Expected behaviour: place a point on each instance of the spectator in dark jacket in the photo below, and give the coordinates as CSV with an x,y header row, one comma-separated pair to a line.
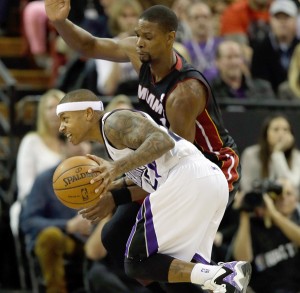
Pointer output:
x,y
234,80
271,56
51,230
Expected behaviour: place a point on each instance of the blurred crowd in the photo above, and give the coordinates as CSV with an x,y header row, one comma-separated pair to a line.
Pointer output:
x,y
259,62
247,50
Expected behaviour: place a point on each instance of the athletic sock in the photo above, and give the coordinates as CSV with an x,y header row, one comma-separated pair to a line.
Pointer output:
x,y
201,273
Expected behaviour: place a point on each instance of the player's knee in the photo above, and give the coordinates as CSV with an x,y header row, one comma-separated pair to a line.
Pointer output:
x,y
155,267
133,269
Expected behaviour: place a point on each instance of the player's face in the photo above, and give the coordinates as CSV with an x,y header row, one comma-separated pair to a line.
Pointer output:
x,y
152,42
73,126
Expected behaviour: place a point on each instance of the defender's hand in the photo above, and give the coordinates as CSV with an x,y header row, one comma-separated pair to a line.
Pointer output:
x,y
57,10
102,209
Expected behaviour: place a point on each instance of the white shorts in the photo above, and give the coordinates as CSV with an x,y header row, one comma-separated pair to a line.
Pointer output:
x,y
182,216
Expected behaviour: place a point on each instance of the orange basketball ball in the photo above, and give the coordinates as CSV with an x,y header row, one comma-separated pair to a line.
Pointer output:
x,y
71,182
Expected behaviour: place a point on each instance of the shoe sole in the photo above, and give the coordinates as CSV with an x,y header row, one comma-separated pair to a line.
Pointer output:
x,y
246,270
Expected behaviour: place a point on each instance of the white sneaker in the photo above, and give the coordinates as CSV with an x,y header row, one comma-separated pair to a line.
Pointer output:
x,y
232,277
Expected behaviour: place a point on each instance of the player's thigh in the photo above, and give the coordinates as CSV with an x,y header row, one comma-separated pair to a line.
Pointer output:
x,y
175,218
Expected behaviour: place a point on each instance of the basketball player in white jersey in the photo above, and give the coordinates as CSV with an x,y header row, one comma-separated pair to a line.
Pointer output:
x,y
185,194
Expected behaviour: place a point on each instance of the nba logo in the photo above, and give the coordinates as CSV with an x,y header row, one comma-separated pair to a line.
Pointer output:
x,y
84,194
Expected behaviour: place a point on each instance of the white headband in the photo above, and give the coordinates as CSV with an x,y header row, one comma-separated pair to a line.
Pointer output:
x,y
78,106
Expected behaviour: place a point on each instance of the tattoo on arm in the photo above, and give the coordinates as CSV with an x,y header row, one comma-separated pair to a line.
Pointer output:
x,y
126,129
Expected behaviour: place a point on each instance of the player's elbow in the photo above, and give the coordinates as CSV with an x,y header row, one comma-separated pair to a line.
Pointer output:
x,y
88,46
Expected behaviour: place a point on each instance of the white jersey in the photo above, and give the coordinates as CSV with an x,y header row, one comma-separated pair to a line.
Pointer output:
x,y
186,191
151,176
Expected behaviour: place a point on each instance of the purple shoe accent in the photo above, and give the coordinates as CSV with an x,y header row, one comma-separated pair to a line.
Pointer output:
x,y
236,276
230,278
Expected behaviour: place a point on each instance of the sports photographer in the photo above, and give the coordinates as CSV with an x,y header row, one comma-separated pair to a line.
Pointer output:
x,y
269,236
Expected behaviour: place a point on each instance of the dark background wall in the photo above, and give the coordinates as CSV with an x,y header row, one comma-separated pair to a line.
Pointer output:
x,y
245,126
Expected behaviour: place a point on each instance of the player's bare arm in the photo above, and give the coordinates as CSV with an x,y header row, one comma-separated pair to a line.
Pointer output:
x,y
85,43
183,105
127,129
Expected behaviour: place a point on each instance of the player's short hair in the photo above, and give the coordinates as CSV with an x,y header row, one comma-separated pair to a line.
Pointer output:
x,y
79,95
163,16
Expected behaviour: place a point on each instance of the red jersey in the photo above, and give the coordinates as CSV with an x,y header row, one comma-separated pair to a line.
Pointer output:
x,y
211,137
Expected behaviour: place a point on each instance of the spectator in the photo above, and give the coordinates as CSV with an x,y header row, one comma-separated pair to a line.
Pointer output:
x,y
54,232
119,102
116,78
269,236
275,156
180,8
35,30
87,14
245,20
78,72
217,7
203,44
95,16
271,56
233,81
290,89
38,151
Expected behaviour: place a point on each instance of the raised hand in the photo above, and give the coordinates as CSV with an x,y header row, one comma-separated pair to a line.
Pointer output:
x,y
57,10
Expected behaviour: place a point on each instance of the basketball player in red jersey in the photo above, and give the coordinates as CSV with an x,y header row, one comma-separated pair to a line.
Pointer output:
x,y
171,91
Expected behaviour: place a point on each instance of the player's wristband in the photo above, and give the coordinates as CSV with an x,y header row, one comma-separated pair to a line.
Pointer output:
x,y
121,196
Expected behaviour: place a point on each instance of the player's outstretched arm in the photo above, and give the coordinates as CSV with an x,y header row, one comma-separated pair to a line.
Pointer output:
x,y
81,40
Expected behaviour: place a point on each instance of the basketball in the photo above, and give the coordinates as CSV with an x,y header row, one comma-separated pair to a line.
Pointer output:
x,y
71,182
